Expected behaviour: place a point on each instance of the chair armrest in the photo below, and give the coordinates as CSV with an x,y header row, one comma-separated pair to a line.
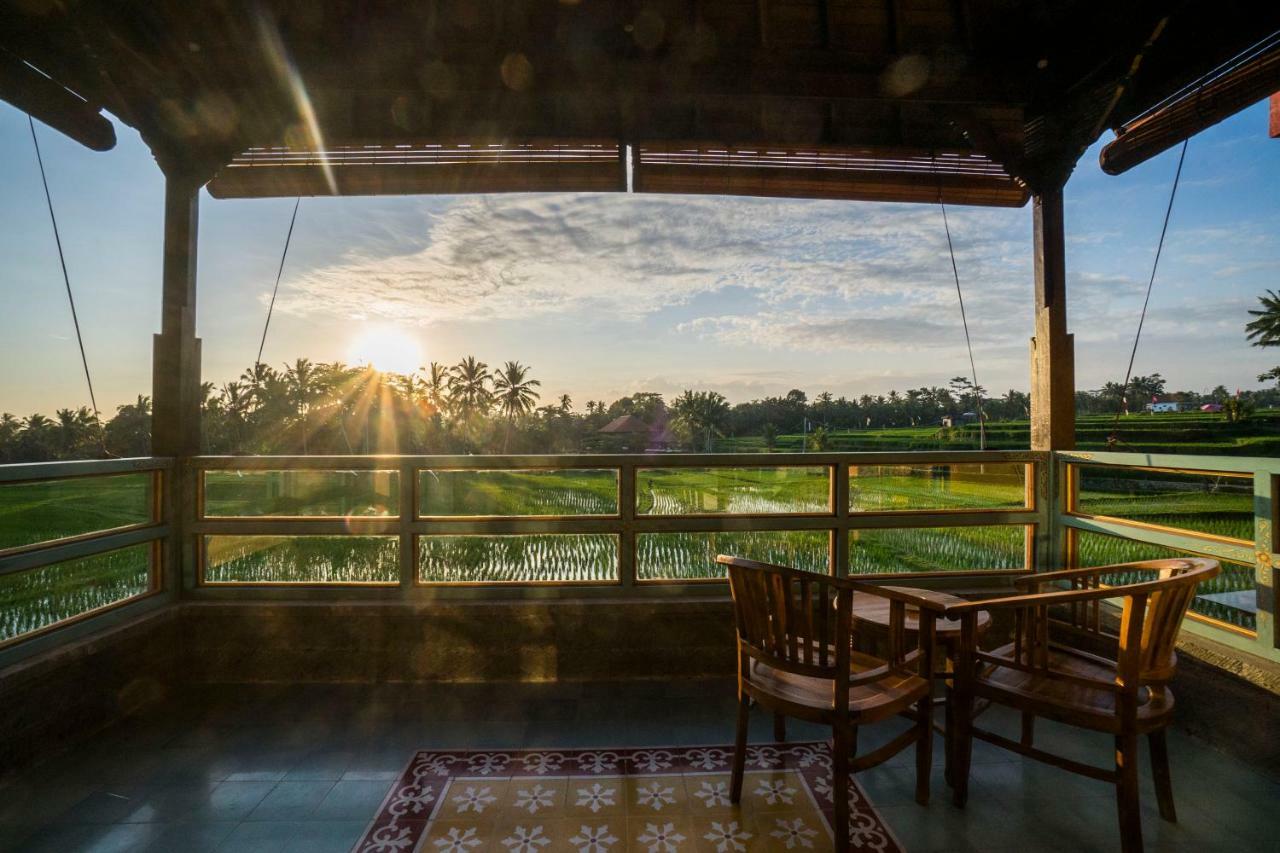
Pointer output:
x,y
923,599
1064,574
1044,599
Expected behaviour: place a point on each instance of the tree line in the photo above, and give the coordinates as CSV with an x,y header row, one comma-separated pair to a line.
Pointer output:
x,y
470,407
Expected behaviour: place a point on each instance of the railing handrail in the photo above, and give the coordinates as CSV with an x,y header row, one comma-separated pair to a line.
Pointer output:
x,y
22,471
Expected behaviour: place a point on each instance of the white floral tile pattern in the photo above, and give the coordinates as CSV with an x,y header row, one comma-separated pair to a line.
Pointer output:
x,y
654,800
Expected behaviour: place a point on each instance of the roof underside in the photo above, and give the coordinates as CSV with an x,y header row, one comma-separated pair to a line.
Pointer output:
x,y
971,101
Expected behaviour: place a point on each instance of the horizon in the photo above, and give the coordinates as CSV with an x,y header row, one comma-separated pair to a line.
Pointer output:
x,y
749,297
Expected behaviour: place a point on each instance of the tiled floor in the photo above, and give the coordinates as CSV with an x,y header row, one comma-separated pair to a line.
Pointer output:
x,y
304,768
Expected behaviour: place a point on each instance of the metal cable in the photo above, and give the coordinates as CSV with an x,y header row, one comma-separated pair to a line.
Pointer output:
x,y
66,280
280,271
977,392
1142,318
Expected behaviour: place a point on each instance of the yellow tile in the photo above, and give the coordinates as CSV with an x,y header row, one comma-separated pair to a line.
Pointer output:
x,y
724,834
459,836
662,833
594,796
473,798
709,794
536,798
791,831
773,791
656,795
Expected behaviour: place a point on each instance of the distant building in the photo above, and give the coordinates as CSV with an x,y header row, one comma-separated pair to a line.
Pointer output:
x,y
1211,407
630,434
1162,408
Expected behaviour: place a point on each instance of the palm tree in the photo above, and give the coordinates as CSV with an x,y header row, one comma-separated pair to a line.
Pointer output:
x,y
436,385
566,404
700,412
258,378
301,388
1265,331
469,392
514,392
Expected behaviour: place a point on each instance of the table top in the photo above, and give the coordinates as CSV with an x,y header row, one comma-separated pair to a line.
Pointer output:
x,y
875,611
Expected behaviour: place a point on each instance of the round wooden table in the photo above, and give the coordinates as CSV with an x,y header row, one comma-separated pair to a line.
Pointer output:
x,y
873,612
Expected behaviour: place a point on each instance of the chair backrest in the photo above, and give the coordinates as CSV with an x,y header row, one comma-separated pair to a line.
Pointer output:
x,y
1166,606
794,621
1152,612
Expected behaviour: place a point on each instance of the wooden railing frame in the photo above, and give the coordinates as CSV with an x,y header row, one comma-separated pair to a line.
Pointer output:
x,y
1050,515
627,524
1263,553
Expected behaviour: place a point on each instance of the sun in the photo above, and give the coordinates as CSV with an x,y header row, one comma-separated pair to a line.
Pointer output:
x,y
387,348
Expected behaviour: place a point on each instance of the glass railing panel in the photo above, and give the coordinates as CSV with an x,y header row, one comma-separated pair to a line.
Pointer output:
x,y
518,492
39,511
519,558
39,598
756,490
1210,503
692,556
302,559
1231,597
301,493
988,547
947,486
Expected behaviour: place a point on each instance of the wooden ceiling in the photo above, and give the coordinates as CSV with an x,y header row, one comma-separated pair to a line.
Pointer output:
x,y
976,101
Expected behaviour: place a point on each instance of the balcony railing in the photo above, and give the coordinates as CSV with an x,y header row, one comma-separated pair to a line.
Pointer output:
x,y
83,544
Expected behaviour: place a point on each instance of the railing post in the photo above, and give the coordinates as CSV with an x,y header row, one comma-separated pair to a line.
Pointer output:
x,y
840,497
175,378
1266,487
408,492
627,525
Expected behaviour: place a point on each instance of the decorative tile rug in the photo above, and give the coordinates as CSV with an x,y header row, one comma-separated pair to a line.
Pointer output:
x,y
657,800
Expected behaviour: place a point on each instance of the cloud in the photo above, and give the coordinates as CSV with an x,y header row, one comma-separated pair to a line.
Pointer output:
x,y
630,256
825,333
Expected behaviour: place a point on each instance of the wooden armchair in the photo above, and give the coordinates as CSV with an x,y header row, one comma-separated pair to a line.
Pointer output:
x,y
796,659
1065,664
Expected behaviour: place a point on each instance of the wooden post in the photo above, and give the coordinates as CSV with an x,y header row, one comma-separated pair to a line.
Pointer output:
x,y
175,371
1052,355
1275,116
1053,418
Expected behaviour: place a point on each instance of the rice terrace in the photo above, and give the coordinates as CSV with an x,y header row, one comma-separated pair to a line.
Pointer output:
x,y
31,513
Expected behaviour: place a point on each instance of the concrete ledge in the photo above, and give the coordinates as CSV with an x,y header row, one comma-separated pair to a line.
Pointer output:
x,y
464,641
59,698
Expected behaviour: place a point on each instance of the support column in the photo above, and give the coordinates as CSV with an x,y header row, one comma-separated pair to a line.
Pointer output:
x,y
175,371
1052,374
1053,418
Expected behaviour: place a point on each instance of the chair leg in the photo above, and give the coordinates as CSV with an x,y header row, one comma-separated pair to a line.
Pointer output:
x,y
948,737
779,728
961,748
740,750
1028,728
1127,794
842,749
1160,773
924,749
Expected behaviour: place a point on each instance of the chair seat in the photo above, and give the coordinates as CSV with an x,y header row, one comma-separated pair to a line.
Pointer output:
x,y
892,692
1074,703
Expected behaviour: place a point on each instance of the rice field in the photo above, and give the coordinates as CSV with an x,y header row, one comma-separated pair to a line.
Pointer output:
x,y
39,512
40,597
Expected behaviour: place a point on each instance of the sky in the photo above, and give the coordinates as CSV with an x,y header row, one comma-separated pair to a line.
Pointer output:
x,y
609,294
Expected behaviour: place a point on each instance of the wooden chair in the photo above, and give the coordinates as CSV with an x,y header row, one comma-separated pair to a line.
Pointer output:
x,y
796,659
1066,664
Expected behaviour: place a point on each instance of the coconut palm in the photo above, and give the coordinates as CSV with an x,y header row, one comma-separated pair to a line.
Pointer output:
x,y
300,386
469,387
566,404
700,413
436,385
1265,331
513,390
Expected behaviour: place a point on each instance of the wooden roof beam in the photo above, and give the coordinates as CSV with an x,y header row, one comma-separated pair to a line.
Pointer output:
x,y
1198,108
42,97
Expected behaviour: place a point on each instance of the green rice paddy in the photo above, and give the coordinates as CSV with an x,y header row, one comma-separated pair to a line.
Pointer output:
x,y
51,510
